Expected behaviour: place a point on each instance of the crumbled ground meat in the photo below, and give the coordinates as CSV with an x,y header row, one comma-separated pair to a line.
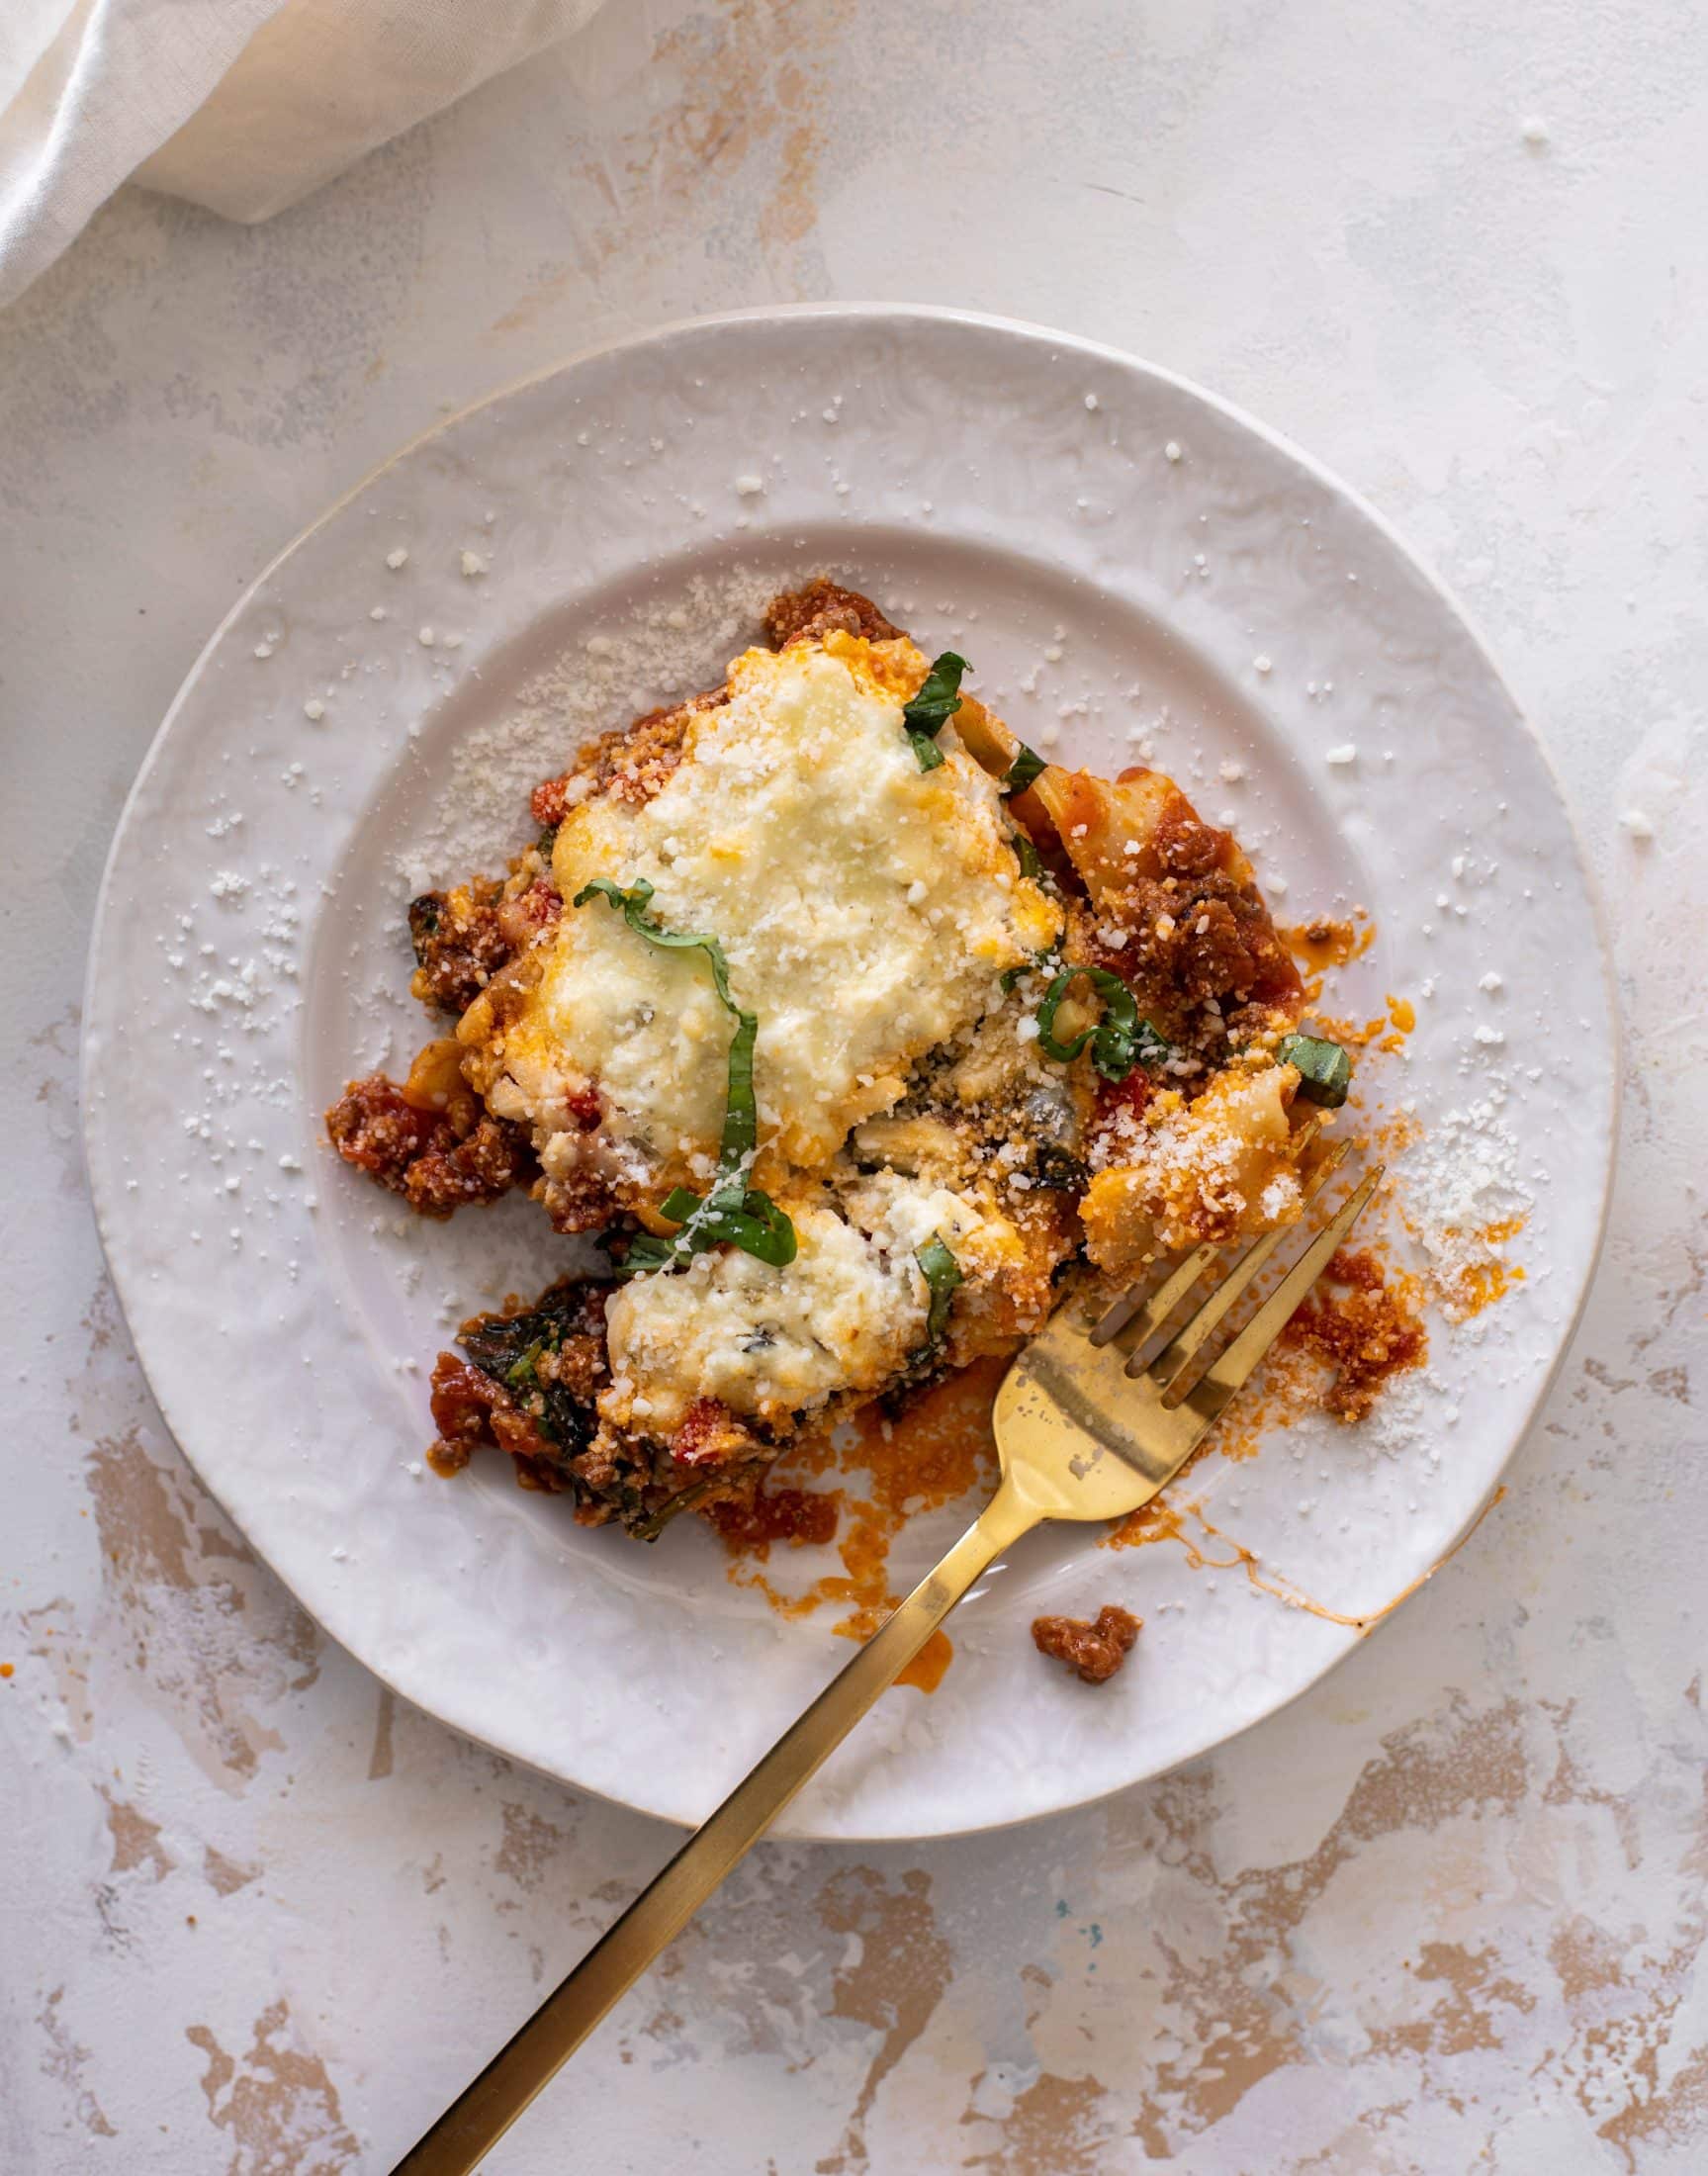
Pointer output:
x,y
460,944
427,1157
450,1174
1096,1651
579,1367
641,1486
375,1129
528,1386
1365,1331
630,764
525,918
1193,943
820,608
549,802
470,1408
577,1201
461,1402
1114,1127
1186,845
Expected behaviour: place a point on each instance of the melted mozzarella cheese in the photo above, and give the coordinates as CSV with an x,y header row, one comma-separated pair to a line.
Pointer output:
x,y
867,909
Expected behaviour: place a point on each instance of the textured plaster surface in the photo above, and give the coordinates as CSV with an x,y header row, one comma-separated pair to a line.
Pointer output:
x,y
1446,1913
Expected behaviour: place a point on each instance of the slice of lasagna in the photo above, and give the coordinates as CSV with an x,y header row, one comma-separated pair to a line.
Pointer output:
x,y
847,1025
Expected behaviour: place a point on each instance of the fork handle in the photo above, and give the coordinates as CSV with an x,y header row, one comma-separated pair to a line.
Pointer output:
x,y
480,2116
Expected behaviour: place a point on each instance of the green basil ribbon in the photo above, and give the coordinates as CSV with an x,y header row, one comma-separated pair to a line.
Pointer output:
x,y
733,1214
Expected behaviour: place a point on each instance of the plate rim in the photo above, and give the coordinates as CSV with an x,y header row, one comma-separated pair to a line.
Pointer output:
x,y
1124,360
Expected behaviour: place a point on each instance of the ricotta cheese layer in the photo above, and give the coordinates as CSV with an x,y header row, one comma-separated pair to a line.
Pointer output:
x,y
847,1316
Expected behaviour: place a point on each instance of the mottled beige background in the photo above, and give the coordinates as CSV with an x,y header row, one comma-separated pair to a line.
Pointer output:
x,y
1444,1915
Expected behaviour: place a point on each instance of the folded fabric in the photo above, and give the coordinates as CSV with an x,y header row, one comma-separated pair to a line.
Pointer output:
x,y
243,106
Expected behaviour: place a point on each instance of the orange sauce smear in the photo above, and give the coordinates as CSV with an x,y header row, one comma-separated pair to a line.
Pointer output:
x,y
1386,1031
940,1448
1167,1522
1323,943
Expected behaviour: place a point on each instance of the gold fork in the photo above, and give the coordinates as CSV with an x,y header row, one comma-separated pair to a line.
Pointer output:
x,y
1085,1430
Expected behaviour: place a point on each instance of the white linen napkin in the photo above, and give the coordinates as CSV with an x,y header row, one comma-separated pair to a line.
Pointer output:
x,y
243,106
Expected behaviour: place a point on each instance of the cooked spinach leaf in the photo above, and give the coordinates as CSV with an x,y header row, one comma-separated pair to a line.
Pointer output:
x,y
509,1348
425,914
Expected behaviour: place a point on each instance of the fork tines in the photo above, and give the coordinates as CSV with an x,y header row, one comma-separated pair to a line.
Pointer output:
x,y
1137,1317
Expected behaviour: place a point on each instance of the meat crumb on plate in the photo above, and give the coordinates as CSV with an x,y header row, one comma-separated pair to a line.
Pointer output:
x,y
1095,1651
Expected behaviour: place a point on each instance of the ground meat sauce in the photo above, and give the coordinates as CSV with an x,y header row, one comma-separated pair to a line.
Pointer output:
x,y
1095,1651
524,919
821,609
1186,931
439,1162
1119,1103
1366,1331
630,764
709,1434
778,1515
462,1401
453,1174
460,944
375,1129
1186,845
528,1385
577,1201
1192,942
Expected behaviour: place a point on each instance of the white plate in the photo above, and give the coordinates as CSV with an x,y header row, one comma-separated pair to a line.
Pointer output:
x,y
1112,549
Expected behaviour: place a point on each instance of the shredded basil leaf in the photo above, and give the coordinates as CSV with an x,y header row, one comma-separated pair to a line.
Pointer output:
x,y
633,905
943,1274
938,700
1119,1041
733,1214
1324,1068
1025,853
1024,769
